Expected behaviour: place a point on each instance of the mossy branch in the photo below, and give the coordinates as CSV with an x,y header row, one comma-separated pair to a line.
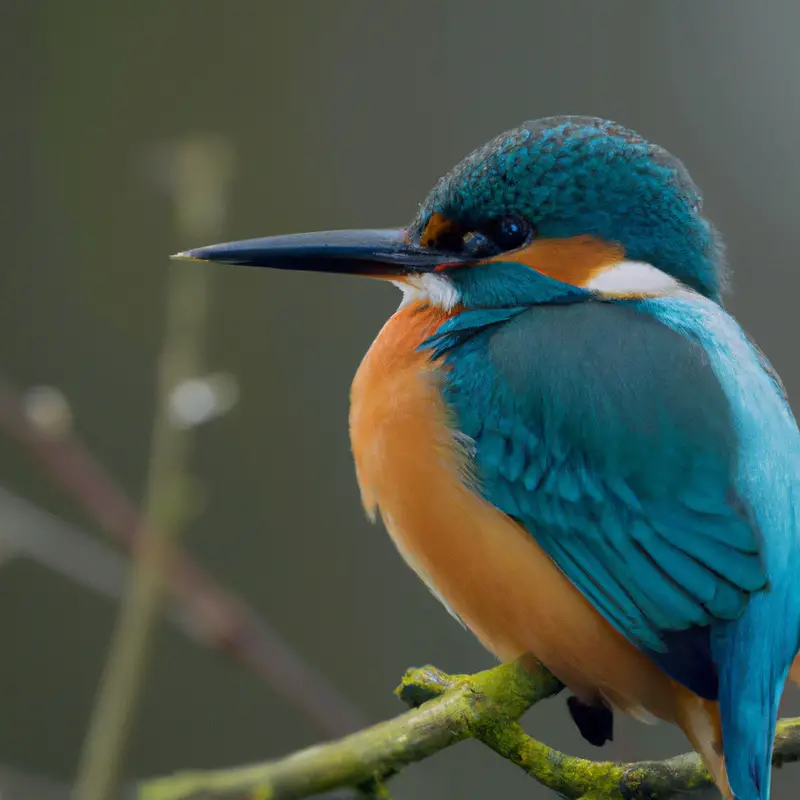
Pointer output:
x,y
449,709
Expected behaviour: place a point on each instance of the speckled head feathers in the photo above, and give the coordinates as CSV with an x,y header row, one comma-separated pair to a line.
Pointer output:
x,y
570,176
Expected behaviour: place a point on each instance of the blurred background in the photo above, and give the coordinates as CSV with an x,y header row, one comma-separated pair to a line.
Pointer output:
x,y
134,130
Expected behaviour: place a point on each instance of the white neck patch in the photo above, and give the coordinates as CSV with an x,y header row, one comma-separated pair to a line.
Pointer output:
x,y
623,279
634,279
428,288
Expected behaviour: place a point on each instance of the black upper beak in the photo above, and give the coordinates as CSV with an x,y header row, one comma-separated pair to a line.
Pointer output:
x,y
380,253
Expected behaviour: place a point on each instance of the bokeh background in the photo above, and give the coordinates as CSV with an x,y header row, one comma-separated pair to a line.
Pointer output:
x,y
332,114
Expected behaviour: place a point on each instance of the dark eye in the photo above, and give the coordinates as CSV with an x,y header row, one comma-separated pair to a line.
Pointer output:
x,y
489,239
510,233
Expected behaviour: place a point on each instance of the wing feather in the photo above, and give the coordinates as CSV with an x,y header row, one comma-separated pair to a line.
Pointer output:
x,y
608,437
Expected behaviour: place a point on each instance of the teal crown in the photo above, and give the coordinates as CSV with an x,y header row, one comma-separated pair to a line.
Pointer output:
x,y
568,176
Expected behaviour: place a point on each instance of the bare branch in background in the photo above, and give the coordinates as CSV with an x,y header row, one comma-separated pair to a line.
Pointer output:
x,y
42,418
27,531
202,167
219,619
30,532
451,709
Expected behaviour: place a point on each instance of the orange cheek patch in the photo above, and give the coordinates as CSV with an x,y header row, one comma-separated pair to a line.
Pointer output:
x,y
575,260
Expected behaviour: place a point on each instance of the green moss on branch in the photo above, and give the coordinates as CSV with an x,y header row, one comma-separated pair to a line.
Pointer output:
x,y
448,709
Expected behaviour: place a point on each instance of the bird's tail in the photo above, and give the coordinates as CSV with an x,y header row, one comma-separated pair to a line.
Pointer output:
x,y
753,657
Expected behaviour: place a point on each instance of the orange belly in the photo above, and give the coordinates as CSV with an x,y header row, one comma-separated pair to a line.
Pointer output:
x,y
488,570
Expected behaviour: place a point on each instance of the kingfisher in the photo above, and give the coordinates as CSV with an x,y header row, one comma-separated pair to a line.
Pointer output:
x,y
572,442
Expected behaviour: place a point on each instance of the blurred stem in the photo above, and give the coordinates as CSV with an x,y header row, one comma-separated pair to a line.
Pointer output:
x,y
208,614
165,508
166,504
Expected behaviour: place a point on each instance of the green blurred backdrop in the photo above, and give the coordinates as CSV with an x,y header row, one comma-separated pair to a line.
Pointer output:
x,y
340,113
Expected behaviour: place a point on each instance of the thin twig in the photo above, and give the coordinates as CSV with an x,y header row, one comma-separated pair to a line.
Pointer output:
x,y
27,531
166,509
452,708
218,618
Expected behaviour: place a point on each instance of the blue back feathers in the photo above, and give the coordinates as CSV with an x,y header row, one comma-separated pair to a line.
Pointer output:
x,y
651,455
607,435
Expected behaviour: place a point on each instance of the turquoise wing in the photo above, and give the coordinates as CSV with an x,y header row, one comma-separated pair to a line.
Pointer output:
x,y
608,437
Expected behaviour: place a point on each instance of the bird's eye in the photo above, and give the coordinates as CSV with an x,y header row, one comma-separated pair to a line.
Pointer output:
x,y
510,233
499,236
490,239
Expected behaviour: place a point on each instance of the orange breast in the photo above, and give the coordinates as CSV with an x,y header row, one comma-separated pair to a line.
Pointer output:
x,y
486,568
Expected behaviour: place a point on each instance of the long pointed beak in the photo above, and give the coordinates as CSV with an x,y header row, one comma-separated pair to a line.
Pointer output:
x,y
377,253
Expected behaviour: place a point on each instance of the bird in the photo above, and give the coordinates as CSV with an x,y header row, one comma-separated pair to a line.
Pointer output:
x,y
572,442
